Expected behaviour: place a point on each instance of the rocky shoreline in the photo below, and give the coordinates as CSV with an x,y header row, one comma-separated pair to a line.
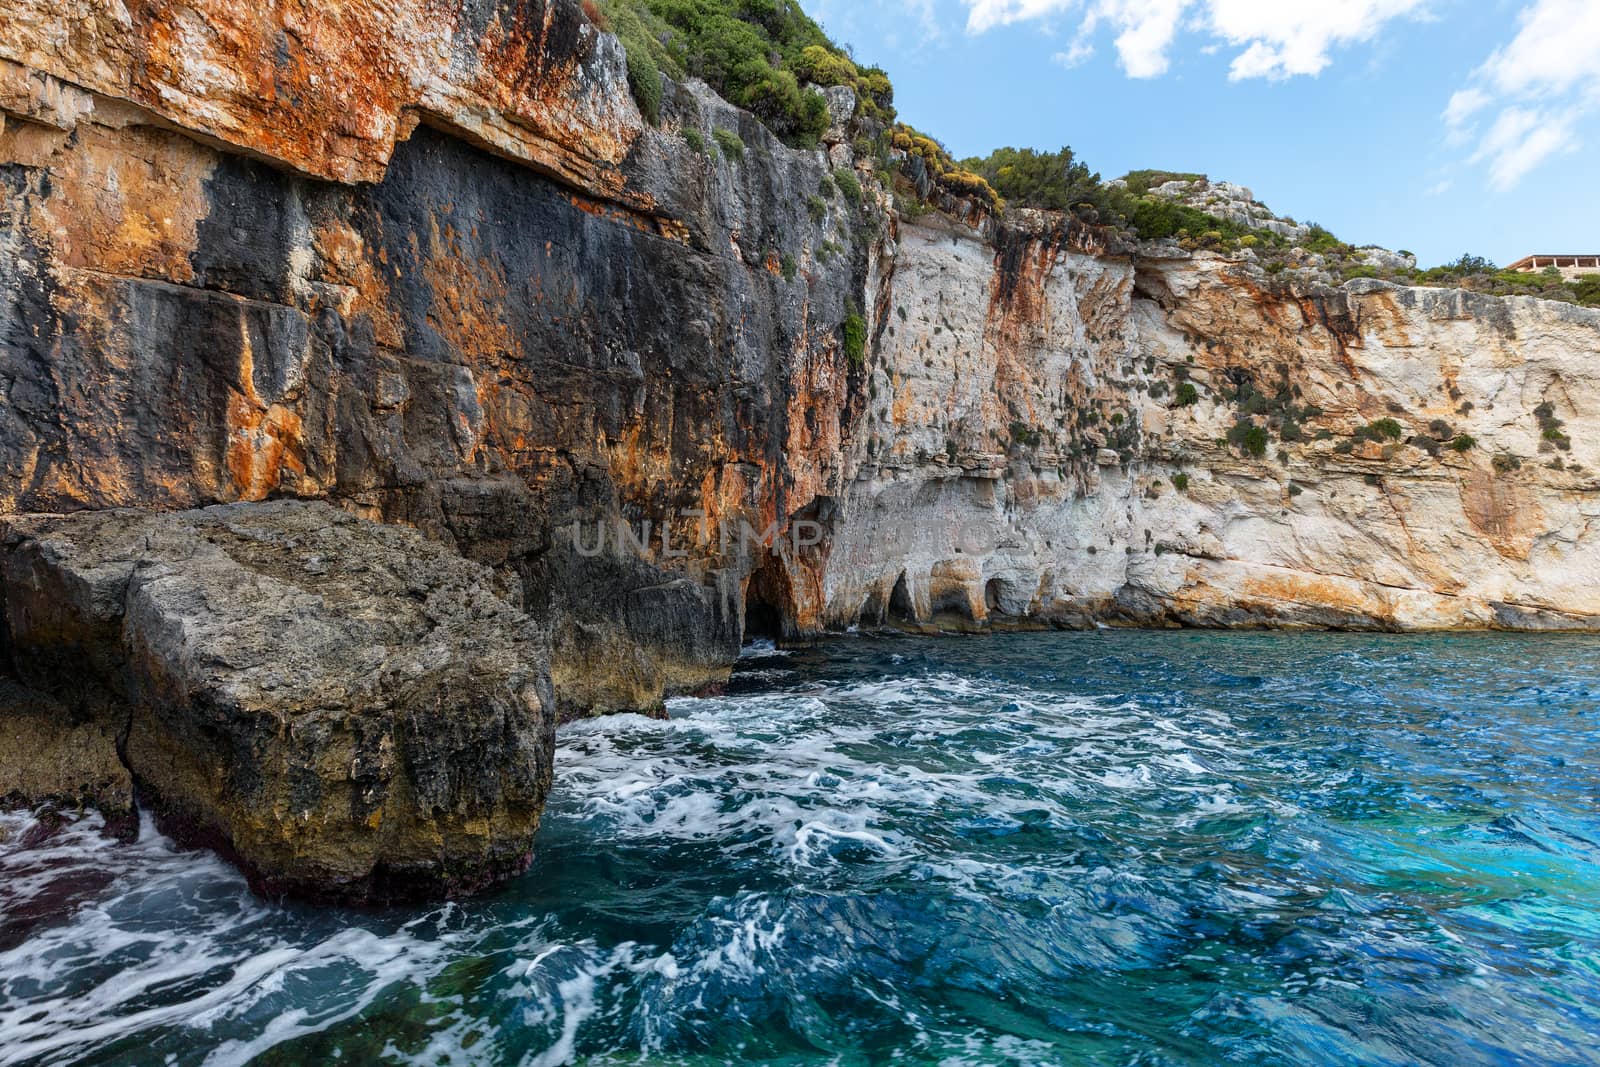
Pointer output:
x,y
348,711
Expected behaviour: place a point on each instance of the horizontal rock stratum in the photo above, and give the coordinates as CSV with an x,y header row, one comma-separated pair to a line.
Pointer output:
x,y
352,712
428,265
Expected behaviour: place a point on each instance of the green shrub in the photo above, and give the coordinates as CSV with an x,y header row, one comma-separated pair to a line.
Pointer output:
x,y
1505,463
1055,181
694,140
1464,443
1295,489
790,268
824,67
818,208
1383,429
855,339
1587,290
849,186
1180,482
755,53
644,80
1248,438
730,143
1550,426
1023,434
826,188
1186,395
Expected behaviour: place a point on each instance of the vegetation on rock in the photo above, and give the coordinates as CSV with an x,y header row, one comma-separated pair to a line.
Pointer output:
x,y
766,56
770,58
1248,438
855,339
928,165
1055,181
730,144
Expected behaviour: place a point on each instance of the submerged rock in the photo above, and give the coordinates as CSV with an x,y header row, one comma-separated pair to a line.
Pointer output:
x,y
350,711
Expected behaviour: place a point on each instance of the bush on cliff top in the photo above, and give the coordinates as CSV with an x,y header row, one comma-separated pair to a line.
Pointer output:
x,y
943,171
1141,182
1055,181
756,53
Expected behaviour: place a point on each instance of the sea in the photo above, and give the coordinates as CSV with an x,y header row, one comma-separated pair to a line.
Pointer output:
x,y
1113,847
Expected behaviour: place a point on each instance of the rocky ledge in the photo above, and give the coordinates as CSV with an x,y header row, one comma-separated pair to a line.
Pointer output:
x,y
348,710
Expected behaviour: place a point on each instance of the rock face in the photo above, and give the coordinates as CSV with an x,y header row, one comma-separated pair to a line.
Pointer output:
x,y
428,264
1026,451
350,710
1235,203
529,312
50,756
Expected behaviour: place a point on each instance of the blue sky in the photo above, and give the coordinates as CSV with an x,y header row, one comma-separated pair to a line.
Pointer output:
x,y
1438,126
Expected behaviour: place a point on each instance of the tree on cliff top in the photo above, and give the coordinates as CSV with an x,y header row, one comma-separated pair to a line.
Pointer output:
x,y
1054,181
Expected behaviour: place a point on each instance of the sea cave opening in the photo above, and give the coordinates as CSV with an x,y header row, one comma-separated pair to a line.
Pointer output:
x,y
762,619
901,607
991,597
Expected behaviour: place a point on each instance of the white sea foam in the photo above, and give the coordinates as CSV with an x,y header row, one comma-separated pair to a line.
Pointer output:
x,y
806,785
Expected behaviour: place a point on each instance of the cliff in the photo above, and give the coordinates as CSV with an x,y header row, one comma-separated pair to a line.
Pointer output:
x,y
1426,457
430,265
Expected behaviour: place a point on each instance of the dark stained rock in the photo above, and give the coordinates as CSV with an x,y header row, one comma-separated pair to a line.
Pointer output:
x,y
349,710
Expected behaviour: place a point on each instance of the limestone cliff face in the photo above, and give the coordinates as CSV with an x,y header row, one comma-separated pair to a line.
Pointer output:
x,y
1022,445
428,263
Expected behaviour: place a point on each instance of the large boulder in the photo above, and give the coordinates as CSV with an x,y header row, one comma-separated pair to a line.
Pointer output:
x,y
350,711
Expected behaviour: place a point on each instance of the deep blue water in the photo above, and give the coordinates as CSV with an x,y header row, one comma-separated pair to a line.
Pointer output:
x,y
1111,848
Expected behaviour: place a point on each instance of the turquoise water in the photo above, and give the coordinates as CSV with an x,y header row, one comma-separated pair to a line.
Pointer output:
x,y
1112,848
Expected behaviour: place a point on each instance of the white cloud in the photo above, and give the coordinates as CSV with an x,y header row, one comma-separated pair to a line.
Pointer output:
x,y
1548,79
1147,32
1286,39
1465,103
1556,51
1520,140
987,14
1277,38
1079,52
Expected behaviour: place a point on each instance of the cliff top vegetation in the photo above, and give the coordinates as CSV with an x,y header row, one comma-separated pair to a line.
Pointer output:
x,y
758,54
769,57
1058,181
